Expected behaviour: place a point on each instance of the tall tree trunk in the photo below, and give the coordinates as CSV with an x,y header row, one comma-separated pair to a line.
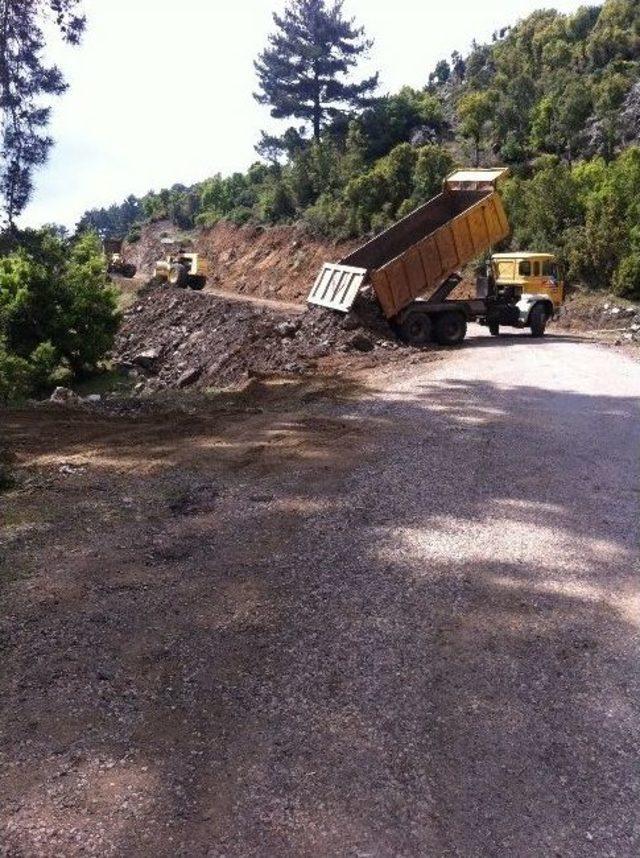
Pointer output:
x,y
317,106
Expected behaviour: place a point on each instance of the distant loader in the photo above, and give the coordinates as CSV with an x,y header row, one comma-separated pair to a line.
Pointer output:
x,y
183,270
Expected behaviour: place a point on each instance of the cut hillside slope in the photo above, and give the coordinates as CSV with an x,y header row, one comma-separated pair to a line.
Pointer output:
x,y
273,262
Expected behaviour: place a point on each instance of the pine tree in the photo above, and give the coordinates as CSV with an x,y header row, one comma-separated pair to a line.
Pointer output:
x,y
304,73
24,81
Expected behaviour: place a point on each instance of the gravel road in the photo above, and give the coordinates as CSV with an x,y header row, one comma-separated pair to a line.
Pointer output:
x,y
432,648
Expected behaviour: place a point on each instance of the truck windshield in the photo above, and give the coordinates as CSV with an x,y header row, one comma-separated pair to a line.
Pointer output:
x,y
549,269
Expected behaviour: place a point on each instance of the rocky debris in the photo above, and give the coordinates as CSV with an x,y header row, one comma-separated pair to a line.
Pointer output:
x,y
193,339
287,329
586,311
190,377
146,359
64,396
361,343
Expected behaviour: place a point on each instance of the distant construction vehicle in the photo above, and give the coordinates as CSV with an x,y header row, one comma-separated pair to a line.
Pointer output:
x,y
182,269
116,263
413,268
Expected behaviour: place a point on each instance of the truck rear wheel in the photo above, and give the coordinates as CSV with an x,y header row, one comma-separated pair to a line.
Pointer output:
x,y
178,276
197,281
538,320
415,328
451,329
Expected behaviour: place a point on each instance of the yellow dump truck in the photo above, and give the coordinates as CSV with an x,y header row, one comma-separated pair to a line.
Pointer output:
x,y
413,267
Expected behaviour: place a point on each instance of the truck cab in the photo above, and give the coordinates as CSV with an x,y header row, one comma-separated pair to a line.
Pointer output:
x,y
530,274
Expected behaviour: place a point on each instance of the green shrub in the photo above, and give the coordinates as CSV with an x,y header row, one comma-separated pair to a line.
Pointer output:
x,y
239,216
57,311
15,377
135,234
207,219
626,280
276,203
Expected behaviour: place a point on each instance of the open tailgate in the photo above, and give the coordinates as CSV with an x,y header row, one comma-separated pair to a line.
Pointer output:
x,y
336,286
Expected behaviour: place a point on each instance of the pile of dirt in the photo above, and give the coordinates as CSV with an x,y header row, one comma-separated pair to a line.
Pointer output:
x,y
588,311
276,262
183,339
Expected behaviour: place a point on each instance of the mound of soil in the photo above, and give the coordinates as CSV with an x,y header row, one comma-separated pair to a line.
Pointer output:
x,y
184,339
277,262
592,311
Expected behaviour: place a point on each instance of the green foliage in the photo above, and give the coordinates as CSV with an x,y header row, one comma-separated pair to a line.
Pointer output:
x,y
394,118
475,110
396,185
305,70
57,311
15,379
626,280
27,83
135,234
589,215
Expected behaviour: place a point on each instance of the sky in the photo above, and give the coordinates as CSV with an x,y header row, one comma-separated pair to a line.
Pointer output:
x,y
161,91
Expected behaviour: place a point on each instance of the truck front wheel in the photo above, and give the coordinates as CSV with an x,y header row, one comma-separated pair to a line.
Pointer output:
x,y
451,329
178,276
538,320
415,329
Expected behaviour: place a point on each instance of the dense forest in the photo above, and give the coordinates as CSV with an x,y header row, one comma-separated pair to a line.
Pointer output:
x,y
556,97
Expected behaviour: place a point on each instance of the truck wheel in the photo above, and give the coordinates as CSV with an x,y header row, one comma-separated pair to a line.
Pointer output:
x,y
538,320
451,329
178,276
494,329
415,329
197,281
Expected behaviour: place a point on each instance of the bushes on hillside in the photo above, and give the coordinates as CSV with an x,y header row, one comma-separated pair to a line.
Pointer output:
x,y
588,214
57,312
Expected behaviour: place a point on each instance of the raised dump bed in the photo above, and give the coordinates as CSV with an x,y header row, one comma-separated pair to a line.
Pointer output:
x,y
417,255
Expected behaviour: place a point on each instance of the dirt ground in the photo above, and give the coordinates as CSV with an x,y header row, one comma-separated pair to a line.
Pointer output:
x,y
391,616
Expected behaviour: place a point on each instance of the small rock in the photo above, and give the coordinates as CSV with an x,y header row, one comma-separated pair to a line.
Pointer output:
x,y
361,343
93,397
190,376
147,359
63,395
350,323
287,329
